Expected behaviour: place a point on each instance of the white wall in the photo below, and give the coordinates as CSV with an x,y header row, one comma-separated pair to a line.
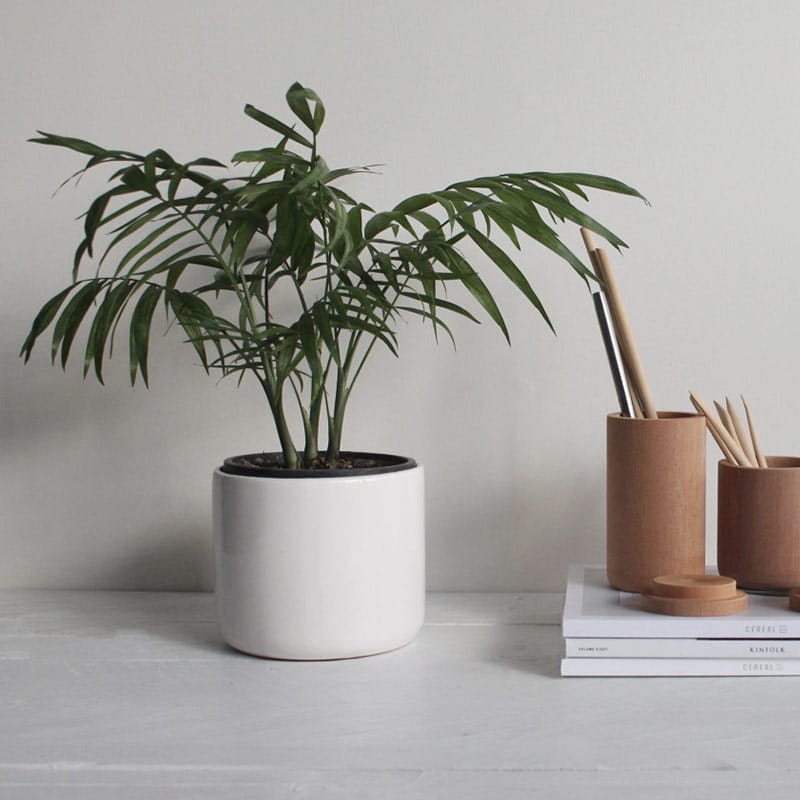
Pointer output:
x,y
695,103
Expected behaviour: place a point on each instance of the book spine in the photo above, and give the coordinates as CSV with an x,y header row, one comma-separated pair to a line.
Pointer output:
x,y
665,667
652,626
682,648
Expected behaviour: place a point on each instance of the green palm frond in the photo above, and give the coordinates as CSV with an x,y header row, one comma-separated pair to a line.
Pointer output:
x,y
220,250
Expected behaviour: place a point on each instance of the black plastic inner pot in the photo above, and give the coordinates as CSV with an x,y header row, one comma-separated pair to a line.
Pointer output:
x,y
270,465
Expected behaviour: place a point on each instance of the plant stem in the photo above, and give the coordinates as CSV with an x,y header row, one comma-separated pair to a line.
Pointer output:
x,y
269,381
336,420
311,449
291,458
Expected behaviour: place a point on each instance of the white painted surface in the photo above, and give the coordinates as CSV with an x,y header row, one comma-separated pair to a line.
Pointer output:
x,y
133,695
695,102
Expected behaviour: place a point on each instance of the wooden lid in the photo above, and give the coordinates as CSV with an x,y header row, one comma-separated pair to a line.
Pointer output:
x,y
694,587
794,600
695,596
689,607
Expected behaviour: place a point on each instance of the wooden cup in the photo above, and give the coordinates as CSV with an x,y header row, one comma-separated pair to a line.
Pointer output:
x,y
656,498
758,523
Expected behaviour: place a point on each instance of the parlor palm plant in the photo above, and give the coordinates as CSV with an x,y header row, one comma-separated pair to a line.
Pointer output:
x,y
278,273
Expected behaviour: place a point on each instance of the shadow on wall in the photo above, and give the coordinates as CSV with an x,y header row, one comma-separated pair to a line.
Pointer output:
x,y
177,559
41,402
516,536
40,405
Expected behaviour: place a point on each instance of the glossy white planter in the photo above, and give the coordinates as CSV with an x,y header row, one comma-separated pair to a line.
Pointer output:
x,y
319,568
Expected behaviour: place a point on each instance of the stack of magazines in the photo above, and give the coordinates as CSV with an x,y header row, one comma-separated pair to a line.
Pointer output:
x,y
606,633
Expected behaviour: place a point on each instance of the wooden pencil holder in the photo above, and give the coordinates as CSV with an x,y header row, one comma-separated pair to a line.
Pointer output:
x,y
656,497
758,523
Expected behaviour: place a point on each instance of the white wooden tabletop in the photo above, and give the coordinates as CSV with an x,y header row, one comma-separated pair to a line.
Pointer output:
x,y
133,695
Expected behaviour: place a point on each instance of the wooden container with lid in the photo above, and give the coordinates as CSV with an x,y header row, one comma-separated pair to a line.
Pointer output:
x,y
655,504
758,523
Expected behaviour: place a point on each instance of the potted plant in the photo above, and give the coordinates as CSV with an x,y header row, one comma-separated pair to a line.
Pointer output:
x,y
276,273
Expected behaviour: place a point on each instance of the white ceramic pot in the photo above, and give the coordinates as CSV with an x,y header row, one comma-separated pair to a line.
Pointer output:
x,y
320,567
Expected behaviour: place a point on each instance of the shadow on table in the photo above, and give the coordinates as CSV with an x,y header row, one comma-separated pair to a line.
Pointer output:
x,y
150,619
533,649
521,647
158,602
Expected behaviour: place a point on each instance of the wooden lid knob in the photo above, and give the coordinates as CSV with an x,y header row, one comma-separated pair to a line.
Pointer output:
x,y
694,587
689,607
695,596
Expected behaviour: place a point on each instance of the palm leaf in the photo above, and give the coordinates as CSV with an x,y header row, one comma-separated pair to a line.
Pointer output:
x,y
305,279
141,321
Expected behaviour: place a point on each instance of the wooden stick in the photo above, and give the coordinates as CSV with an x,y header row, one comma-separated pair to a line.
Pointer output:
x,y
722,446
730,449
637,403
625,335
741,433
591,249
727,422
762,462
